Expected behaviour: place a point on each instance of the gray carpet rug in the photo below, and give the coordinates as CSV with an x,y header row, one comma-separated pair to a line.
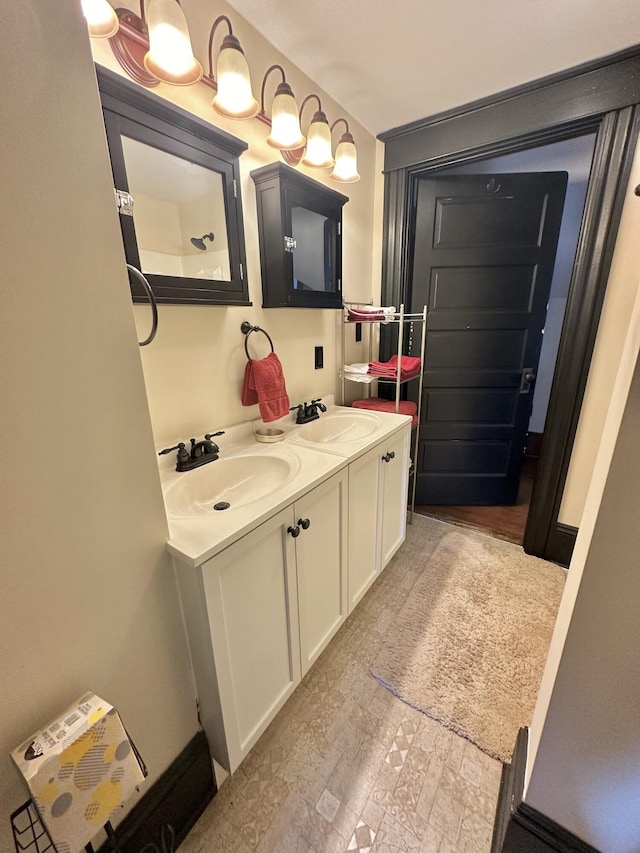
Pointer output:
x,y
469,644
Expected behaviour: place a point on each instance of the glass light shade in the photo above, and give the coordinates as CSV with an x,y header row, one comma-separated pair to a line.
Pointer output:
x,y
234,98
102,20
318,151
346,167
285,124
170,57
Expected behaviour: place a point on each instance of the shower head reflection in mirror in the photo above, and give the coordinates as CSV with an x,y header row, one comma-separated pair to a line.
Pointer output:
x,y
199,243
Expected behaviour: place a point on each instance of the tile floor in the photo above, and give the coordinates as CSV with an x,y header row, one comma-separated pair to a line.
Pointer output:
x,y
346,766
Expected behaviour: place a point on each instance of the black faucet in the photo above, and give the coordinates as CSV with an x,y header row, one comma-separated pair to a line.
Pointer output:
x,y
201,453
306,412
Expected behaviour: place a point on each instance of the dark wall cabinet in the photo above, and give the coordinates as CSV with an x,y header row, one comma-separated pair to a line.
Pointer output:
x,y
179,179
300,232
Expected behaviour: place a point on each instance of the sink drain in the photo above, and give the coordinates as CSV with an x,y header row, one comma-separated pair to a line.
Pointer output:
x,y
222,505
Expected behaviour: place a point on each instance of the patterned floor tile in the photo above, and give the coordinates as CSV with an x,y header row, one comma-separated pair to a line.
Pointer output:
x,y
402,741
362,838
328,805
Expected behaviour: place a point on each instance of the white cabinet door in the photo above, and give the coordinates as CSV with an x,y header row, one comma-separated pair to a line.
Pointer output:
x,y
364,523
252,608
321,556
395,483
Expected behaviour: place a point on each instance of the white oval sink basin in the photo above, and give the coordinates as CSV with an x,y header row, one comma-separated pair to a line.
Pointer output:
x,y
339,427
228,484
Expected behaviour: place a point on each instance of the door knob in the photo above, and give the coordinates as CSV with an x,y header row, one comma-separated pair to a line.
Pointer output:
x,y
294,531
304,523
389,456
528,378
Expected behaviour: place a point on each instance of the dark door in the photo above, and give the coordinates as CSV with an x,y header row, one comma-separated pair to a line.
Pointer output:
x,y
484,252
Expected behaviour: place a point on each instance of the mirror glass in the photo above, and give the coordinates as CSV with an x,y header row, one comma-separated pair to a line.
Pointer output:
x,y
312,256
178,214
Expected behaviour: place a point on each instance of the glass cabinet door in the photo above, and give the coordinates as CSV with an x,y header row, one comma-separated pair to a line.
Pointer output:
x,y
182,221
300,231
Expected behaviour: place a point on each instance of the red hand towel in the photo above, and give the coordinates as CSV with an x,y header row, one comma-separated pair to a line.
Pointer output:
x,y
265,378
248,395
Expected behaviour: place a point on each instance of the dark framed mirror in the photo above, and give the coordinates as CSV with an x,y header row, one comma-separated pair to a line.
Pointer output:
x,y
178,184
300,233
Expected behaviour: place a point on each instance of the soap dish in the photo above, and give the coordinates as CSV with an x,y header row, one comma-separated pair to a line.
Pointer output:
x,y
269,434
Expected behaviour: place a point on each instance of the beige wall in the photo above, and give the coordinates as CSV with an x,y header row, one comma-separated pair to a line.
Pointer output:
x,y
622,287
585,753
194,369
88,599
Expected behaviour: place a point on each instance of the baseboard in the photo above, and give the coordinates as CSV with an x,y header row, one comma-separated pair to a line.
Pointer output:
x,y
519,828
173,803
560,544
529,831
511,789
533,446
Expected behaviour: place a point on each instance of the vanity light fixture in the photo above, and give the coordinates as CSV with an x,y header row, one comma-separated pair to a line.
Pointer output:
x,y
318,148
318,152
170,57
285,122
346,166
234,98
155,46
102,20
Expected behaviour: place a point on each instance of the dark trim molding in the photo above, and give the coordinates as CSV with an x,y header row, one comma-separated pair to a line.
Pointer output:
x,y
172,805
515,91
613,157
593,98
587,90
511,789
529,831
519,828
140,100
560,542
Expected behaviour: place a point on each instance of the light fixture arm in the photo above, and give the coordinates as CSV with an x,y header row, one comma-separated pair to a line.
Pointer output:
x,y
337,121
211,35
142,12
264,83
308,98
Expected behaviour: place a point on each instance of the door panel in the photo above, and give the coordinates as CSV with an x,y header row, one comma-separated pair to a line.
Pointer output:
x,y
471,406
365,523
486,349
251,596
467,457
505,289
321,553
487,220
395,484
483,262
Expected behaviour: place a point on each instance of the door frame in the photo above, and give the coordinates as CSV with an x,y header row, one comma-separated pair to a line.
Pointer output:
x,y
600,97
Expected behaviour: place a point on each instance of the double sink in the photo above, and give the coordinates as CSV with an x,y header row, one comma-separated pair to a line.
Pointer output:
x,y
210,507
236,480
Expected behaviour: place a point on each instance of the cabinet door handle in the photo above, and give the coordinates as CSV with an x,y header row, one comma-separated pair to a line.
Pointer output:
x,y
389,456
294,531
304,523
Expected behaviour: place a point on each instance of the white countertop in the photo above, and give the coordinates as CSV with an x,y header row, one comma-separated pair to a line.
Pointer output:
x,y
195,539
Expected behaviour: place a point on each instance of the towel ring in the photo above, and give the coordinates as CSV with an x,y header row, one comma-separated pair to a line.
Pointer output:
x,y
246,328
152,300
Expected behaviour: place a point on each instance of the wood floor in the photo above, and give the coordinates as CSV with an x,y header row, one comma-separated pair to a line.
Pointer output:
x,y
502,522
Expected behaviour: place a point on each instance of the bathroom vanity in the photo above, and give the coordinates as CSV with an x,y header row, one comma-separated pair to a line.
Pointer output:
x,y
266,583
